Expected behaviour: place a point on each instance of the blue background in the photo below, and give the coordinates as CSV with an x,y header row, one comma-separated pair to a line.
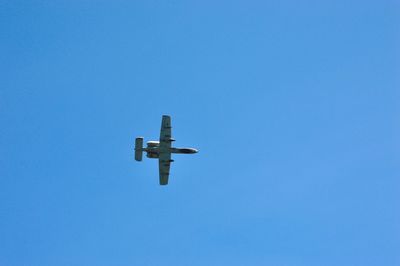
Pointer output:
x,y
294,106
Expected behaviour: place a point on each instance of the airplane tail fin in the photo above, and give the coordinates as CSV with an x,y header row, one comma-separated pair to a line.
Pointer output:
x,y
138,149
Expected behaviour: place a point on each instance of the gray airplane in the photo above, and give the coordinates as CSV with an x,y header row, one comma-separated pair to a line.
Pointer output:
x,y
161,149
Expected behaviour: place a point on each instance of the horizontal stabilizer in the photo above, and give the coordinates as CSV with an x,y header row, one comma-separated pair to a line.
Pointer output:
x,y
138,149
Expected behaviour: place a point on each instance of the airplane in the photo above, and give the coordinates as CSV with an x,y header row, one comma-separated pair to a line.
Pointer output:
x,y
161,149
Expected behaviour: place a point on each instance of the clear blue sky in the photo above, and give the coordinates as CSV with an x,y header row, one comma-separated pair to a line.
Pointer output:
x,y
294,106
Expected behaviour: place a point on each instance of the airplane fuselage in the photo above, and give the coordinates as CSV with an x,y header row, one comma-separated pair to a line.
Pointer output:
x,y
153,149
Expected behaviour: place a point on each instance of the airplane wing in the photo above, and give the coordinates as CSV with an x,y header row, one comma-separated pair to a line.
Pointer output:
x,y
165,133
164,163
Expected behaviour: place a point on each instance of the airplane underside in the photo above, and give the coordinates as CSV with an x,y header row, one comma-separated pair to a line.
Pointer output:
x,y
161,149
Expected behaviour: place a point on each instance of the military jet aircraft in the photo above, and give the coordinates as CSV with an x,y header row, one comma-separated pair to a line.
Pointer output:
x,y
161,149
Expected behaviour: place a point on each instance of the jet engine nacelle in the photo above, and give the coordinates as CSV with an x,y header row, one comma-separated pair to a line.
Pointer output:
x,y
152,144
152,155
